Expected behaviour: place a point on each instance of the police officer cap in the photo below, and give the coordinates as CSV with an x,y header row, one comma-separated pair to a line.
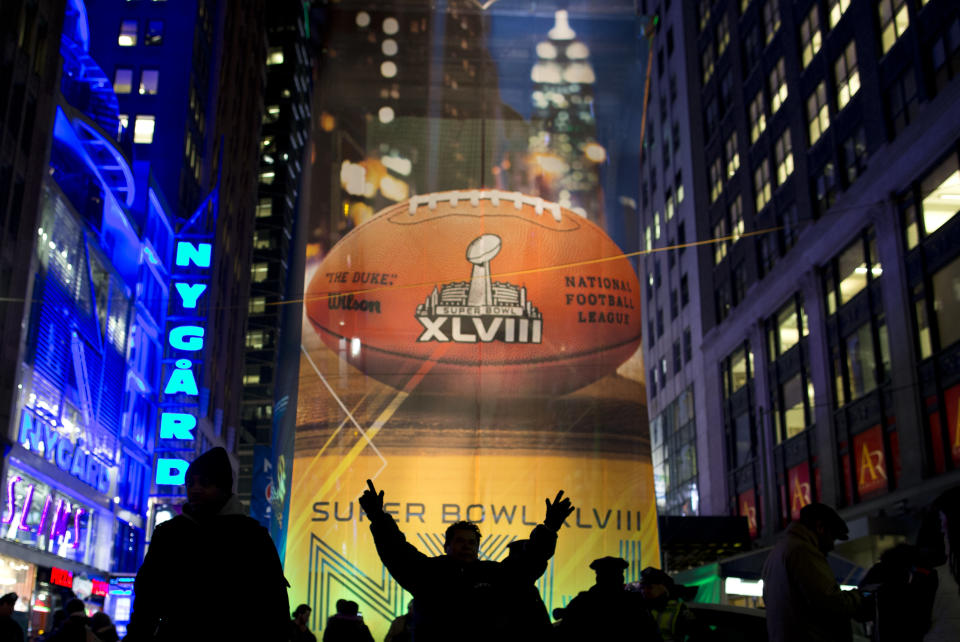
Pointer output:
x,y
817,512
652,575
609,564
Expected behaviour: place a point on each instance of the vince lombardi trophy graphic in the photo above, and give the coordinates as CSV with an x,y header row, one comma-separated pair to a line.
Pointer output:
x,y
480,252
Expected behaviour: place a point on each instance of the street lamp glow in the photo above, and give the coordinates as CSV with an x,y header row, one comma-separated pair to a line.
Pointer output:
x,y
391,26
363,19
385,115
389,47
388,69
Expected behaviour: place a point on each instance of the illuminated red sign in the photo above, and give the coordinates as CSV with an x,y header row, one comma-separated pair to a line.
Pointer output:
x,y
100,588
747,502
799,489
870,461
61,577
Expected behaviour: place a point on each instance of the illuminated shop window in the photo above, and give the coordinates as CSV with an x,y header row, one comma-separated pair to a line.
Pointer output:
x,y
784,156
732,155
771,19
154,33
149,82
778,86
847,75
716,179
720,246
758,117
761,184
123,81
128,33
894,21
143,128
836,9
810,37
257,304
275,56
723,35
818,115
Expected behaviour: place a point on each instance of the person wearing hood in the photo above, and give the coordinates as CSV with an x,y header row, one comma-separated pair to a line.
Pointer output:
x,y
205,562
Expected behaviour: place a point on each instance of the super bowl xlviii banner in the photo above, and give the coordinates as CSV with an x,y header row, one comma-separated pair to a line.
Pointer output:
x,y
472,329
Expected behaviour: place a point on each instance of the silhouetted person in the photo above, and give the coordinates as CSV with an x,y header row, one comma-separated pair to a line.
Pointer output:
x,y
103,627
525,608
76,626
401,629
804,602
945,613
9,628
903,583
606,611
457,596
346,625
666,601
206,562
299,632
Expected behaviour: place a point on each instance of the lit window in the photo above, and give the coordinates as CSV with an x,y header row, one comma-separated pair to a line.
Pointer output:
x,y
388,69
123,81
720,242
723,35
716,179
149,81
778,86
251,378
758,117
894,20
259,272
143,129
810,37
272,114
656,225
275,56
818,116
267,177
784,155
771,19
678,185
391,26
736,219
733,155
847,75
761,184
836,9
706,60
266,143
265,208
257,304
255,339
123,121
262,240
128,33
154,34
668,205
940,192
704,13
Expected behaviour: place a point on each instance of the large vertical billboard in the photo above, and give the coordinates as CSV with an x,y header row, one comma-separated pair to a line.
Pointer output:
x,y
472,324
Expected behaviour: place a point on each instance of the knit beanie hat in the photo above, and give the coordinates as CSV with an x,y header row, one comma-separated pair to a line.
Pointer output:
x,y
214,466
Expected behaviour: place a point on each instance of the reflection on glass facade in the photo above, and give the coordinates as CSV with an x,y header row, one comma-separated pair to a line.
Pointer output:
x,y
673,442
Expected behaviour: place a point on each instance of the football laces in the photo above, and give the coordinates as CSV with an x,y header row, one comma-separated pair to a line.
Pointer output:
x,y
494,196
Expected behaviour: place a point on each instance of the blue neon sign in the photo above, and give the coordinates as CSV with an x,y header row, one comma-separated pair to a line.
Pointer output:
x,y
47,441
185,338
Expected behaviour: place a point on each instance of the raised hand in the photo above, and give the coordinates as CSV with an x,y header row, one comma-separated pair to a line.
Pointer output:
x,y
558,511
371,501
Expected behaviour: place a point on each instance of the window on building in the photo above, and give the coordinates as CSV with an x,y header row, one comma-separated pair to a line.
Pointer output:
x,y
738,370
723,35
678,187
924,341
687,346
825,187
257,305
706,63
275,56
743,6
771,19
854,154
720,242
865,369
735,212
143,128
818,115
716,179
128,34
786,328
723,301
739,280
766,254
794,407
778,86
945,54
674,305
677,360
263,240
259,272
668,204
810,37
752,49
271,114
726,90
894,20
656,273
901,101
684,291
761,184
851,271
704,13
267,177
836,9
659,322
663,371
940,195
123,121
711,117
653,382
251,376
758,117
264,208
783,152
946,303
732,155
154,33
123,81
847,75
789,221
255,339
149,82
